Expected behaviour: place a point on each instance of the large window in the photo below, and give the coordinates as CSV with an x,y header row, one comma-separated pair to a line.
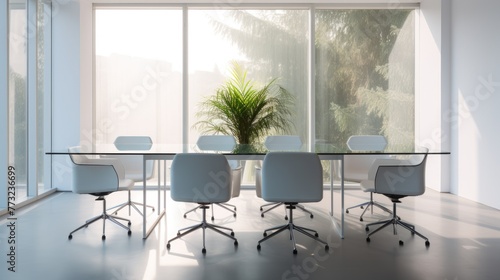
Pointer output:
x,y
365,75
27,101
153,72
138,74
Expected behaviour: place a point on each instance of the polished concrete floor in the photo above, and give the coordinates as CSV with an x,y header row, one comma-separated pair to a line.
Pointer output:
x,y
464,236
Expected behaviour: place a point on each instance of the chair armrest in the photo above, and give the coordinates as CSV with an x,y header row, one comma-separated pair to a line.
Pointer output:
x,y
117,165
384,162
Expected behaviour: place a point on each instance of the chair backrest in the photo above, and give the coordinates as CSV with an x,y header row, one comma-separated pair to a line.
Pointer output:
x,y
90,176
283,143
405,177
200,178
216,143
138,143
223,143
132,163
367,143
356,167
292,177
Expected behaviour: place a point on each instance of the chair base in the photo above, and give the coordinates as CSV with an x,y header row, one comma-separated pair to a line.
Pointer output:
x,y
276,204
291,228
368,204
223,205
104,216
130,204
395,220
203,225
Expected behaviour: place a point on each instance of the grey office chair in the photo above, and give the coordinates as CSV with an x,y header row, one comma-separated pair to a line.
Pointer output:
x,y
292,178
203,179
133,166
98,177
356,167
396,179
222,143
277,143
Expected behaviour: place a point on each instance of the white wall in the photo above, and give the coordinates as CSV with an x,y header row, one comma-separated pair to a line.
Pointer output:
x,y
65,87
475,87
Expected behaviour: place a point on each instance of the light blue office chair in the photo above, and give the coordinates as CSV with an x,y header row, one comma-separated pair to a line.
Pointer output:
x,y
204,179
277,143
396,179
291,178
356,167
217,144
98,177
133,166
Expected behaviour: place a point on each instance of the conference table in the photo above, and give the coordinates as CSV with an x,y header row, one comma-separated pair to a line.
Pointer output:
x,y
159,152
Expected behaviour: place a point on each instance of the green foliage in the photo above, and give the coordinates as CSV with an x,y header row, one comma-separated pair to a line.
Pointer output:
x,y
242,109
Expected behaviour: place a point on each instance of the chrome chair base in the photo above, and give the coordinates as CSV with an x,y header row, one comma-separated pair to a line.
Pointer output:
x,y
104,216
291,228
368,204
203,225
394,221
130,204
223,205
276,204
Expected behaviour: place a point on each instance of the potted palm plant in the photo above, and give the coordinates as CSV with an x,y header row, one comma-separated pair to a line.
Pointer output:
x,y
248,112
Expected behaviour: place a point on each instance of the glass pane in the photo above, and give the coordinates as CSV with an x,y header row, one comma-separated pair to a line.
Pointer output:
x,y
138,74
267,44
365,75
18,95
43,89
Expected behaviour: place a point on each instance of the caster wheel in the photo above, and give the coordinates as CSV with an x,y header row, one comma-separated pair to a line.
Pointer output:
x,y
234,208
235,243
367,229
265,234
203,251
361,207
261,209
178,233
312,216
286,218
103,237
368,239
232,233
129,223
262,215
185,216
258,247
360,219
347,211
70,237
129,233
234,215
116,213
152,209
412,233
168,245
401,243
212,219
316,234
295,251
427,243
327,247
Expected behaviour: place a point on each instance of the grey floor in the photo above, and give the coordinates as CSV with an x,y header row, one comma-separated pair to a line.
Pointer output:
x,y
464,236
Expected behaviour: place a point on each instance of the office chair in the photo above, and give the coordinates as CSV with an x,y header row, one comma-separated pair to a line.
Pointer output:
x,y
133,165
396,179
356,167
292,178
222,143
278,143
203,179
98,177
